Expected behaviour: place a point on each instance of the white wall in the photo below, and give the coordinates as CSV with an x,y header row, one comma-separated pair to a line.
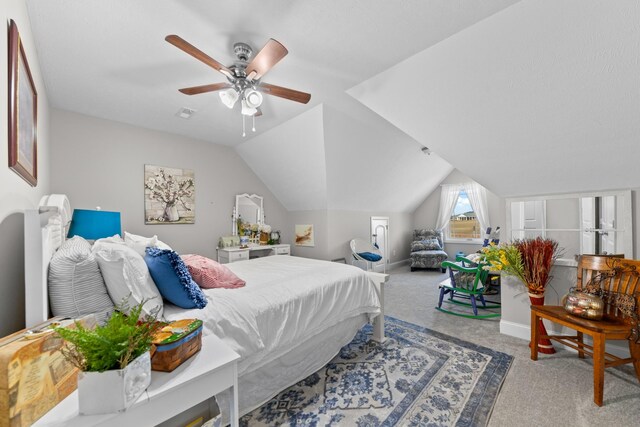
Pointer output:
x,y
348,160
335,171
333,229
290,160
372,166
426,215
99,162
320,221
16,195
635,207
347,225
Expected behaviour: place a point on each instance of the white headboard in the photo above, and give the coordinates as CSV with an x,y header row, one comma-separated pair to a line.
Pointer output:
x,y
44,231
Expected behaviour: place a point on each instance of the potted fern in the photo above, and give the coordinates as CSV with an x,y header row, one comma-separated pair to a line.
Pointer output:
x,y
113,358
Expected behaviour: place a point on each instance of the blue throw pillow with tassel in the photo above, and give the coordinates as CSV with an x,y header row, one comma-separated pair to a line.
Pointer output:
x,y
173,279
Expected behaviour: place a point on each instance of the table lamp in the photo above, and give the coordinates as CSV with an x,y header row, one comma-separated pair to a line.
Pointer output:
x,y
94,224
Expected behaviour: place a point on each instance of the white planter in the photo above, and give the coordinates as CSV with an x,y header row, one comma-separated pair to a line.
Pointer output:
x,y
116,390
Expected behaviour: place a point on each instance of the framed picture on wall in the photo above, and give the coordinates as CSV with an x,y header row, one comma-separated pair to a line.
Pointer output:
x,y
304,235
23,109
169,195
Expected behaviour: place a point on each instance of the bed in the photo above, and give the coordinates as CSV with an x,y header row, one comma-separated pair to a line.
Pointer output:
x,y
291,319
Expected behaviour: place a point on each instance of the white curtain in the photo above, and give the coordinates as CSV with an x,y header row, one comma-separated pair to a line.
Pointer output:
x,y
478,198
448,198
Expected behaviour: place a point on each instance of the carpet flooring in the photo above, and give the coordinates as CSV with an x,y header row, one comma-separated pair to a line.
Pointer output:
x,y
417,377
556,390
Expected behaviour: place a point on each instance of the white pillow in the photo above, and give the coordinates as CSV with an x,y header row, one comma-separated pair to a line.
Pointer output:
x,y
113,239
141,243
127,276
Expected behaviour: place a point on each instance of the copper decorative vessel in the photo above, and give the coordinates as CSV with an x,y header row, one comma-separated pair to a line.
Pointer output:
x,y
584,305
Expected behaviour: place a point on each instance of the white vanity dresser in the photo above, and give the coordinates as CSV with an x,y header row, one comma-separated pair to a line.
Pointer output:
x,y
236,253
248,209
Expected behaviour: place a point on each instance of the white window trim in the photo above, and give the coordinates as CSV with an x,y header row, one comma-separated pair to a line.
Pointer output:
x,y
571,261
468,240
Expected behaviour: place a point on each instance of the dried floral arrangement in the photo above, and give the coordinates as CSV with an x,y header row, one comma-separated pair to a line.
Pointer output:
x,y
530,260
110,346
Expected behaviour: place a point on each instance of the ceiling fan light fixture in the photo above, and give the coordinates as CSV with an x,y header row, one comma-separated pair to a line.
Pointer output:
x,y
248,110
253,98
243,77
229,97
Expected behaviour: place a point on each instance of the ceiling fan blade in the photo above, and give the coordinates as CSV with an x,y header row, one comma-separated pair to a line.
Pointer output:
x,y
283,92
187,47
258,112
204,88
269,55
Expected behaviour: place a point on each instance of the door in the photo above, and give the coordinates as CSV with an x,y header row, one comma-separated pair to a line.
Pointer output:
x,y
588,216
534,218
380,236
598,225
528,219
607,225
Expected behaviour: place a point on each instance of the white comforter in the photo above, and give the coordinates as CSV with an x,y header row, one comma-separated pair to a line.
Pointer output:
x,y
286,301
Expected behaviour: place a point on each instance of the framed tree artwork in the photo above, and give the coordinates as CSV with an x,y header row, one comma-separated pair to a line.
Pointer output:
x,y
23,109
169,195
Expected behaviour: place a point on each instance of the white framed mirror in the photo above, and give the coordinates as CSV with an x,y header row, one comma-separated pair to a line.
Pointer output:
x,y
582,223
249,208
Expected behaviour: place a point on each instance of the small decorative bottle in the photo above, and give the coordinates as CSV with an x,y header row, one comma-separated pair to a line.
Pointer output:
x,y
239,225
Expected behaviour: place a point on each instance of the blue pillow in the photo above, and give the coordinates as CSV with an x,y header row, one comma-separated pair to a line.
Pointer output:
x,y
369,256
173,279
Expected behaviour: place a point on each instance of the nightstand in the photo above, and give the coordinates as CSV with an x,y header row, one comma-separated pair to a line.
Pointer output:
x,y
209,372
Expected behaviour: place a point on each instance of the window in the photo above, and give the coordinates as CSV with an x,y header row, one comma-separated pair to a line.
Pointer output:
x,y
463,214
581,223
463,223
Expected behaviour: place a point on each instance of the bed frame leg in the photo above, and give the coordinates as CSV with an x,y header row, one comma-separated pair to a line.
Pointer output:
x,y
379,280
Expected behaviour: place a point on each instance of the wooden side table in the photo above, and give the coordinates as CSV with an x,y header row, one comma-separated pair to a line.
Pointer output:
x,y
209,372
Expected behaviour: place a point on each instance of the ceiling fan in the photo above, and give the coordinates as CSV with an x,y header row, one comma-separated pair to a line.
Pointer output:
x,y
244,76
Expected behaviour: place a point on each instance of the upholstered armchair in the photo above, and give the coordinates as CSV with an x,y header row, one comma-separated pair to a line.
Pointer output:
x,y
426,250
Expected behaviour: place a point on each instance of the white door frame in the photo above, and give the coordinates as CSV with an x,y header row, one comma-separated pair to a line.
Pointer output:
x,y
386,242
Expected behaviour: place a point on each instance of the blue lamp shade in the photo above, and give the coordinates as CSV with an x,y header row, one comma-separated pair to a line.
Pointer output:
x,y
93,225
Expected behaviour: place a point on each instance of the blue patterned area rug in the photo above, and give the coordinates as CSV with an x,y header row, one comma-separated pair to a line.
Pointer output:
x,y
418,377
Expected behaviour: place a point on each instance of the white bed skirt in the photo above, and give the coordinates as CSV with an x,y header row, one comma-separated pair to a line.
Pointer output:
x,y
257,387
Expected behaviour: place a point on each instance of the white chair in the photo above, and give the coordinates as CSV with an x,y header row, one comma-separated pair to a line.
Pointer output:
x,y
364,251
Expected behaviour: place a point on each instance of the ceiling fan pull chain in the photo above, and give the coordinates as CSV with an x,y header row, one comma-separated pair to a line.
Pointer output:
x,y
254,123
243,132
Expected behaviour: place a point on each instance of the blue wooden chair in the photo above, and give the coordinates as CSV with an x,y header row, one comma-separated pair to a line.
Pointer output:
x,y
466,287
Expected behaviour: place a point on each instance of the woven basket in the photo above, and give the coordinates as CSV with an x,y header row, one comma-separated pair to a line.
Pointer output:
x,y
168,357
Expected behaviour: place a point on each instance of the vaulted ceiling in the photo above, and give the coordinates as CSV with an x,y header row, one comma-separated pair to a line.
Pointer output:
x,y
542,97
527,97
109,58
326,159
